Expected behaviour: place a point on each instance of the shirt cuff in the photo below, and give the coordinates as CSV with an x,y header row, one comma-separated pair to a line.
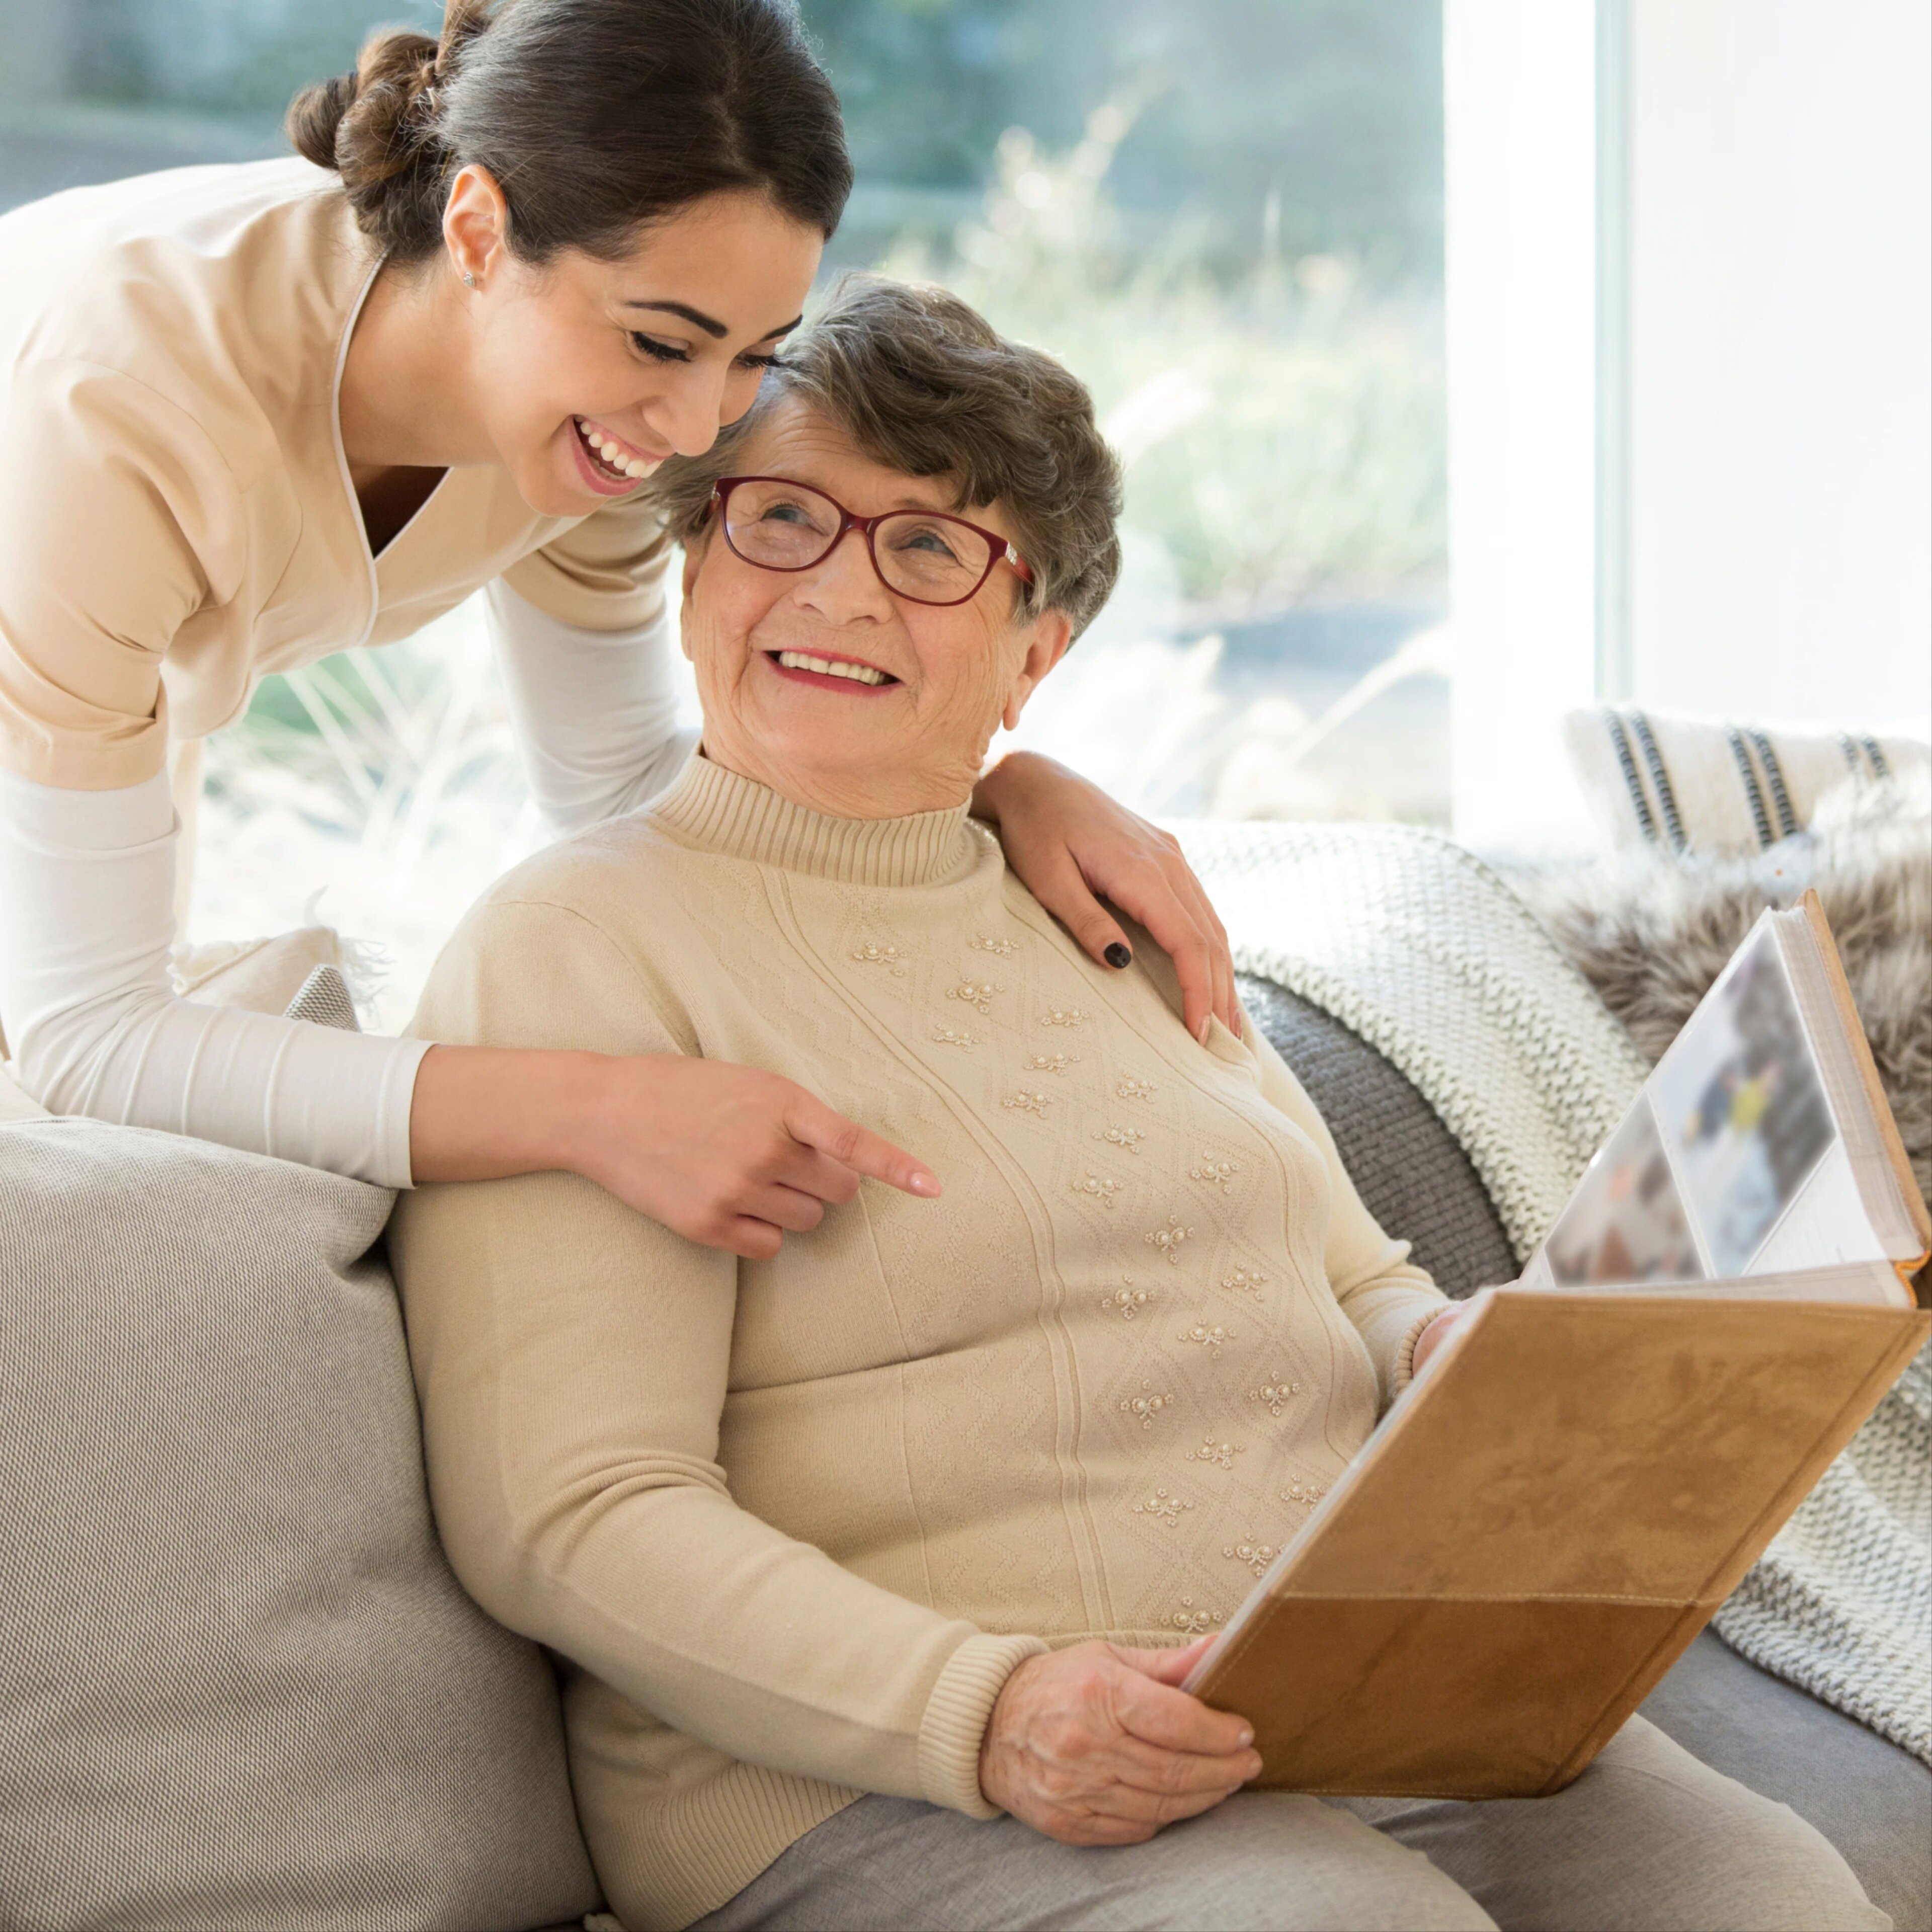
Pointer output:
x,y
397,1100
956,1714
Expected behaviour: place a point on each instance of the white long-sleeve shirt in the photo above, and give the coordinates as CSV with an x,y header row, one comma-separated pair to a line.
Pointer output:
x,y
87,921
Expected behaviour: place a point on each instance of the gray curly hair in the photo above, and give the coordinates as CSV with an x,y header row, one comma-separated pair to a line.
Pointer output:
x,y
922,382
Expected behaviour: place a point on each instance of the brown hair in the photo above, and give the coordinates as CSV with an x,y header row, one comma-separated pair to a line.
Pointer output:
x,y
922,382
709,96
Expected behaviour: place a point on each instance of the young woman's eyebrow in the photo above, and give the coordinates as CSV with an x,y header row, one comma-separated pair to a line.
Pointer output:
x,y
709,324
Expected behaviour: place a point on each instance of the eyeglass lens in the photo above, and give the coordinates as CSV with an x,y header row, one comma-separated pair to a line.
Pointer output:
x,y
930,558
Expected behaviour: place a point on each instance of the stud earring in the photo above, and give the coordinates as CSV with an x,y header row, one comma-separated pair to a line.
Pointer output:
x,y
469,280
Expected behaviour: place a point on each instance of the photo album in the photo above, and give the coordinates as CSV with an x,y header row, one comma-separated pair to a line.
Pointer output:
x,y
1760,1148
1588,1467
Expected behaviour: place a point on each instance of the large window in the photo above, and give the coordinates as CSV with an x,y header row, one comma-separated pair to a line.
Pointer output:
x,y
1225,214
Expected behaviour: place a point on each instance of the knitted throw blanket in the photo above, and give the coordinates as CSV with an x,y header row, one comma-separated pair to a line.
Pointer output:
x,y
1414,943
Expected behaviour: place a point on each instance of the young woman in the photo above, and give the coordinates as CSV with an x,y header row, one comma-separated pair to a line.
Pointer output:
x,y
250,416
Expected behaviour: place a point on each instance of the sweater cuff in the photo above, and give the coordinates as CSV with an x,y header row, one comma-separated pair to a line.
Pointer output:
x,y
1405,1353
955,1724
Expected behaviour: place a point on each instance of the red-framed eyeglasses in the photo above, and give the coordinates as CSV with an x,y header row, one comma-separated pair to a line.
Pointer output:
x,y
925,556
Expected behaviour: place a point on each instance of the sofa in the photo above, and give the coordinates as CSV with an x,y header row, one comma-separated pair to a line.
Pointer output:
x,y
241,1687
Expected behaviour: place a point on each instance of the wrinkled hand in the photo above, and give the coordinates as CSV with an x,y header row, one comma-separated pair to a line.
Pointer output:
x,y
1072,845
1094,1745
729,1155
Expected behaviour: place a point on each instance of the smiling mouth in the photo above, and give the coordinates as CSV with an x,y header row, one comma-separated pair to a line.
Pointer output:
x,y
610,458
838,668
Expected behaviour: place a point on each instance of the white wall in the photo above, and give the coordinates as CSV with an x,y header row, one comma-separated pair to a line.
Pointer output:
x,y
1780,357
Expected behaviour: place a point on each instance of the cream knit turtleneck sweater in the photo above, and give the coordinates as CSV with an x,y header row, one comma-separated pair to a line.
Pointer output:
x,y
791,1524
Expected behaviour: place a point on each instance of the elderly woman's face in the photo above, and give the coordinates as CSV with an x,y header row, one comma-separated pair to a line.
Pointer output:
x,y
951,674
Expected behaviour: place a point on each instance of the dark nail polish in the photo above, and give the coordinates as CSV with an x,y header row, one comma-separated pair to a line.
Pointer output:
x,y
1117,955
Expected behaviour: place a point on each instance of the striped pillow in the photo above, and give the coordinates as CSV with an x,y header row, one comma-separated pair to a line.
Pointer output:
x,y
1695,785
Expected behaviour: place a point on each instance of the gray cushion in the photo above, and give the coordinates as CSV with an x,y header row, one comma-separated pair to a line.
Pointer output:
x,y
1872,1800
1410,1170
240,1686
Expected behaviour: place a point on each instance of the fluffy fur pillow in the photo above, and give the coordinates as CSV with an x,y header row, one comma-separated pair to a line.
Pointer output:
x,y
1651,930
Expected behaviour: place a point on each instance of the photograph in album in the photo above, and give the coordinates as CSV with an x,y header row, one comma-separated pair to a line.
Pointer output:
x,y
1761,1145
1628,1221
1743,1105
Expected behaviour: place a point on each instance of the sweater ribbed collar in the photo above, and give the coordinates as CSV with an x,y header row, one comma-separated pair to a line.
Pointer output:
x,y
718,810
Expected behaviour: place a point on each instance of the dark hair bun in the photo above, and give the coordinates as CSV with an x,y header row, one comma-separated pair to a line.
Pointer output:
x,y
377,127
725,95
315,114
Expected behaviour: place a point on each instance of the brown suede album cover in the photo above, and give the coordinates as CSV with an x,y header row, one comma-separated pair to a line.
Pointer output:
x,y
1539,1529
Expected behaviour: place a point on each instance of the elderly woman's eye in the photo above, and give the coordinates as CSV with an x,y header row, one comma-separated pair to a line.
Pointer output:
x,y
932,538
785,513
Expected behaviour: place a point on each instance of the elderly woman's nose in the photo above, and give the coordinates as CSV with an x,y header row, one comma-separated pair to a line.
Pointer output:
x,y
844,584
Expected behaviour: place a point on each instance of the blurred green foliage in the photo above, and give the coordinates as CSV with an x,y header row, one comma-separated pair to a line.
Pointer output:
x,y
1331,111
1283,427
1327,112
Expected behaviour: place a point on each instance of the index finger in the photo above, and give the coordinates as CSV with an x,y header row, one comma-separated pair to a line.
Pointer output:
x,y
1157,1713
817,1126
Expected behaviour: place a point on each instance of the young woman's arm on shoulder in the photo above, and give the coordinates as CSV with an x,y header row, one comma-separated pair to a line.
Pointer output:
x,y
87,882
727,1156
584,635
594,713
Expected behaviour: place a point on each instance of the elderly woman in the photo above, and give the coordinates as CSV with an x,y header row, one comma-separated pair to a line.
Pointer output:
x,y
872,1560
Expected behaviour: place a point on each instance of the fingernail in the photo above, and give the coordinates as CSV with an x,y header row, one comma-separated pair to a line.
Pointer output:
x,y
926,1184
1117,955
1247,1738
1206,1026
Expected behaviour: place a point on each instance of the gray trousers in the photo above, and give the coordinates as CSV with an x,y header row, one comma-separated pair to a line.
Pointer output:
x,y
1648,1840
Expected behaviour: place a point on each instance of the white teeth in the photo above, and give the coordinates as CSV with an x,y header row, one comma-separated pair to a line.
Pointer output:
x,y
614,453
831,667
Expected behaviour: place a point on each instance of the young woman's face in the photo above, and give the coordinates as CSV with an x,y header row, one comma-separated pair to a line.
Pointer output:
x,y
588,374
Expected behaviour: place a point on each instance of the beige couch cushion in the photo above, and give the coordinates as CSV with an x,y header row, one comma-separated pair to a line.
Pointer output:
x,y
239,1686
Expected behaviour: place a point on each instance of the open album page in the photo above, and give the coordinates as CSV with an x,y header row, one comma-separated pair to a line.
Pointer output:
x,y
1729,1163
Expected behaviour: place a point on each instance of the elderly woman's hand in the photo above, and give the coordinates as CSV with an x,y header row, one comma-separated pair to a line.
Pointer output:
x,y
1071,844
1095,1745
1438,1334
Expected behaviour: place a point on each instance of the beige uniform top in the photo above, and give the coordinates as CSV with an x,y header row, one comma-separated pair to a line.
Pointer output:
x,y
176,516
